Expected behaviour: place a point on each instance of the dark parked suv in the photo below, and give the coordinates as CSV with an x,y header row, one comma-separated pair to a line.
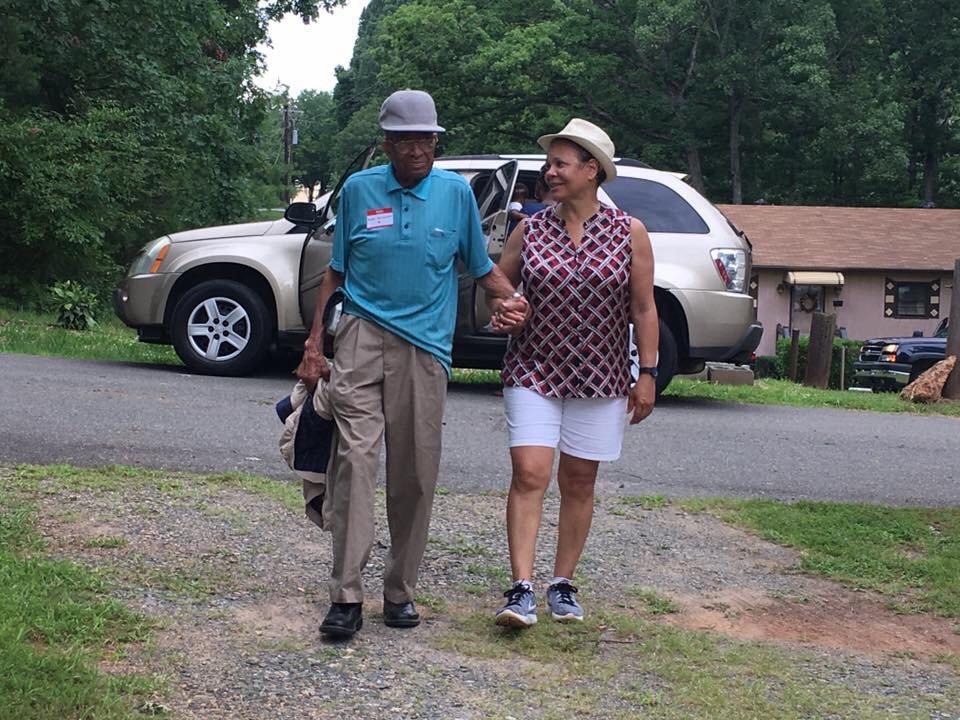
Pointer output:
x,y
891,363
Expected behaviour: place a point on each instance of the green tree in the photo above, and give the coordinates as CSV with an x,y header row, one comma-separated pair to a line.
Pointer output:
x,y
925,40
822,102
121,121
316,129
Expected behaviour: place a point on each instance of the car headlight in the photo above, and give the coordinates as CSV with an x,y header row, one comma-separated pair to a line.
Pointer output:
x,y
151,257
732,266
888,353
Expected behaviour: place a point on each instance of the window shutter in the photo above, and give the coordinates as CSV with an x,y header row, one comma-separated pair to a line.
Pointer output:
x,y
935,298
889,297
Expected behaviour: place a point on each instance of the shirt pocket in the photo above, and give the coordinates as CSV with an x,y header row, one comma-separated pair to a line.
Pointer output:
x,y
442,246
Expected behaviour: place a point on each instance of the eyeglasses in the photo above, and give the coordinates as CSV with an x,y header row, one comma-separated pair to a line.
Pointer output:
x,y
408,146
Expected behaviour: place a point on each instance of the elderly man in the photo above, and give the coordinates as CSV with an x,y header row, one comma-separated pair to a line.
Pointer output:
x,y
400,230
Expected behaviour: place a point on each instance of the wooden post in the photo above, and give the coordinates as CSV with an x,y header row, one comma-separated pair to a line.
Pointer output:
x,y
951,389
843,367
820,350
794,354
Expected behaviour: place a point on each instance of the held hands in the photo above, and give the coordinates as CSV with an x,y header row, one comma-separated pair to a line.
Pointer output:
x,y
314,365
641,398
511,315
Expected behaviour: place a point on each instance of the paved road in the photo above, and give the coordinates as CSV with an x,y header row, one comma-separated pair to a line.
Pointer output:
x,y
89,413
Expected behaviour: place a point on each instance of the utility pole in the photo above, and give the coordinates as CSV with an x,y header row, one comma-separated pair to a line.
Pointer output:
x,y
951,389
286,152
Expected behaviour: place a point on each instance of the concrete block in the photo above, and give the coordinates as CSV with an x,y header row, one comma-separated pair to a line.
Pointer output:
x,y
730,375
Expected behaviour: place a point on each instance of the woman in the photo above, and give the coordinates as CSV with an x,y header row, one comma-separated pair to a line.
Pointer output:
x,y
587,271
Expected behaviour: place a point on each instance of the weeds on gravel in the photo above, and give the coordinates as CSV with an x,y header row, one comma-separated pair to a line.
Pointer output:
x,y
104,542
115,477
288,494
55,624
910,554
653,602
615,663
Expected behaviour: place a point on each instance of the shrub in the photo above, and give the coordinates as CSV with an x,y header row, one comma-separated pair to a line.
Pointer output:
x,y
853,348
767,366
74,304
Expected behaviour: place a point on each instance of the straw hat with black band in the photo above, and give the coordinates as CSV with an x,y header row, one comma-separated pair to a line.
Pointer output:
x,y
591,138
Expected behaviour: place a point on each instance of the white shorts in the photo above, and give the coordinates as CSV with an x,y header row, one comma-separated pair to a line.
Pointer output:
x,y
587,428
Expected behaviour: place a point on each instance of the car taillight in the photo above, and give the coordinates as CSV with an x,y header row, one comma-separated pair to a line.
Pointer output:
x,y
732,266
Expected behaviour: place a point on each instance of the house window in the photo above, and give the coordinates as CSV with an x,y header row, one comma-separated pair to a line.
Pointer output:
x,y
911,299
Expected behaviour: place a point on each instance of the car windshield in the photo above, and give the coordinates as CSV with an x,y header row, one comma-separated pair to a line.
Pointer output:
x,y
658,207
943,328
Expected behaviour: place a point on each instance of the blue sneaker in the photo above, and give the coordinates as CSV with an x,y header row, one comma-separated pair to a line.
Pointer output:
x,y
520,610
561,597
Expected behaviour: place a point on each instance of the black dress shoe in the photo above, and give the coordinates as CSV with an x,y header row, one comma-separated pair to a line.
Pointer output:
x,y
400,615
343,620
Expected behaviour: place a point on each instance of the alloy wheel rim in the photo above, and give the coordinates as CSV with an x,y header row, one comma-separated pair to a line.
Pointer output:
x,y
218,329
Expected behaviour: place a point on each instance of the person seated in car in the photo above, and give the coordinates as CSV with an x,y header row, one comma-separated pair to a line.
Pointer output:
x,y
521,195
542,197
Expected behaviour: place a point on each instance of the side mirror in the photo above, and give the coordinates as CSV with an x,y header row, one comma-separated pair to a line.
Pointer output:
x,y
918,333
301,213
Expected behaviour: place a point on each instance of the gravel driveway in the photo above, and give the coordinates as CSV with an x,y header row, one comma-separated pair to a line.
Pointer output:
x,y
236,584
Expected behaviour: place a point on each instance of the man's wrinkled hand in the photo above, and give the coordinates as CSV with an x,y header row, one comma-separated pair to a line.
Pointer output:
x,y
313,365
511,316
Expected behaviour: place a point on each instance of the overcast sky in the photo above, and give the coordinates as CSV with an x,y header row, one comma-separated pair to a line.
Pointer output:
x,y
303,56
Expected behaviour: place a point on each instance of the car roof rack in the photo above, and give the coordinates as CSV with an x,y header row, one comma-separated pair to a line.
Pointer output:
x,y
626,162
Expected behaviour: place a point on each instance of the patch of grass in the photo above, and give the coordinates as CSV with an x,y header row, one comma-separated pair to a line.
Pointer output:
x,y
613,664
784,392
653,602
466,548
948,659
37,334
435,604
644,502
489,576
863,545
194,579
288,494
55,624
467,376
105,541
53,478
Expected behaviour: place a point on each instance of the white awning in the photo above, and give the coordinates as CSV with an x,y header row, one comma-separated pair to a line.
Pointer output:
x,y
814,278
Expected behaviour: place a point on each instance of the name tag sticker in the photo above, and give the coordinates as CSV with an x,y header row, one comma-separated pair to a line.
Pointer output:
x,y
379,218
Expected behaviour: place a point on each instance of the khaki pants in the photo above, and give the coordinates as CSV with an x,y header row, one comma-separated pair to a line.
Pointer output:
x,y
383,388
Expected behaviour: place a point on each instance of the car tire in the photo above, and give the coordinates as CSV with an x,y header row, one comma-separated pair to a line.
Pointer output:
x,y
667,361
221,327
666,358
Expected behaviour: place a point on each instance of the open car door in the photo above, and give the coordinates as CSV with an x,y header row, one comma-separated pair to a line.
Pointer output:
x,y
493,201
318,244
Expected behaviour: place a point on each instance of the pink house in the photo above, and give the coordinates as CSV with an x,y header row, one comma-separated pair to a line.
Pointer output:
x,y
882,271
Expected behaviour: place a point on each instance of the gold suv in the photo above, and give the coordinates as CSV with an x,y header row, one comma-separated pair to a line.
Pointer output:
x,y
223,296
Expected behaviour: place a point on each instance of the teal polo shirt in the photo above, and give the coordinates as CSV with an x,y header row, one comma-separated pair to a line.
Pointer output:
x,y
398,249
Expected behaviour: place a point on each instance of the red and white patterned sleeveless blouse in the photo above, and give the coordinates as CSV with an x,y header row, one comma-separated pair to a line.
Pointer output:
x,y
576,343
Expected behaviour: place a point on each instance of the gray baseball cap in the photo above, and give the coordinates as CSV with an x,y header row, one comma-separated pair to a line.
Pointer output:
x,y
409,111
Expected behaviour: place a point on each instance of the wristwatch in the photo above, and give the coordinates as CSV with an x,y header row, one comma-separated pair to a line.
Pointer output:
x,y
651,371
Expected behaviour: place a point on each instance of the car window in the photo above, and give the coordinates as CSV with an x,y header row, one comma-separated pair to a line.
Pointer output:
x,y
658,207
944,329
